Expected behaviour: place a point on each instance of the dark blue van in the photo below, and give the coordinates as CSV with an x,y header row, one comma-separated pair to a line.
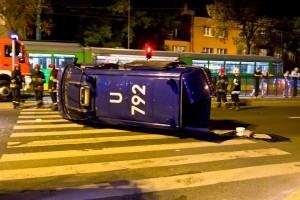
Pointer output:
x,y
152,94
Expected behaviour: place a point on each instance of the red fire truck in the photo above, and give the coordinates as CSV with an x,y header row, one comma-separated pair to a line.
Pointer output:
x,y
6,64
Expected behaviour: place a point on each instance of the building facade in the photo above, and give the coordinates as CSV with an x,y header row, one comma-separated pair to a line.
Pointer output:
x,y
202,39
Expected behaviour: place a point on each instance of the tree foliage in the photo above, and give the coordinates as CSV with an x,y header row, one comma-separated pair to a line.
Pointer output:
x,y
110,28
115,19
295,44
242,15
20,16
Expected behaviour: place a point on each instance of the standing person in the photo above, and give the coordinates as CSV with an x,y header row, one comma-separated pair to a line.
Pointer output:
x,y
235,88
295,76
264,83
16,86
221,88
52,86
256,77
38,80
287,85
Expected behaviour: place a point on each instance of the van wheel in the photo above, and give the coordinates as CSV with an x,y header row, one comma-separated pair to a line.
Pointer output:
x,y
5,92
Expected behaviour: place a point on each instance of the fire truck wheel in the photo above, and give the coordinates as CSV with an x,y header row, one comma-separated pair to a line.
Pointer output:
x,y
5,93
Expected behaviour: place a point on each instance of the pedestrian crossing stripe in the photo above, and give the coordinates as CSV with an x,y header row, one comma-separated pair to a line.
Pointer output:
x,y
87,140
47,126
118,150
50,115
70,132
42,120
42,111
51,171
133,187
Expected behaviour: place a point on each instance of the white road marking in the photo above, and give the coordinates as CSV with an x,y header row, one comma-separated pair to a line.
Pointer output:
x,y
115,189
87,140
61,133
42,120
39,116
47,126
51,171
117,150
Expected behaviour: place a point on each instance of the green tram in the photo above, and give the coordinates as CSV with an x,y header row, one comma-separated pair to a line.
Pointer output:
x,y
246,63
45,53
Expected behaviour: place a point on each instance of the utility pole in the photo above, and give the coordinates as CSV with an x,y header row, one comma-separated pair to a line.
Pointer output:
x,y
128,26
38,20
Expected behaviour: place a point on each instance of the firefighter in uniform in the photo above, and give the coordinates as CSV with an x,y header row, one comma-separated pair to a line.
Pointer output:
x,y
52,86
221,88
16,86
38,80
235,89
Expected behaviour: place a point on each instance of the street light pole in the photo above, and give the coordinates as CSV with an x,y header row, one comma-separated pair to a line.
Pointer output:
x,y
38,20
128,26
13,49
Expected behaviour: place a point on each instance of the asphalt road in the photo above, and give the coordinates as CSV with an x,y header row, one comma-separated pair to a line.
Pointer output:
x,y
46,157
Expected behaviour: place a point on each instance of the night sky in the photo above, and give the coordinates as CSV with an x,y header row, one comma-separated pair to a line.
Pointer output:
x,y
66,13
66,16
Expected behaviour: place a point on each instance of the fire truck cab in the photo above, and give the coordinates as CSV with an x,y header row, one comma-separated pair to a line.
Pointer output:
x,y
6,64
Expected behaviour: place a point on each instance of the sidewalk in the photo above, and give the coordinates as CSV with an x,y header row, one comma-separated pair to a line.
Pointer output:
x,y
266,101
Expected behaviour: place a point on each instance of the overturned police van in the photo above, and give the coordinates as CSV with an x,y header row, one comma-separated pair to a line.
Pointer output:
x,y
151,94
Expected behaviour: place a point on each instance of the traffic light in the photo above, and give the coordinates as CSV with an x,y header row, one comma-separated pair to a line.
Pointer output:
x,y
148,52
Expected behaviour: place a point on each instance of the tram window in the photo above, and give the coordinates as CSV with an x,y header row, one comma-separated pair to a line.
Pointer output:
x,y
214,66
277,68
229,65
263,65
43,59
202,63
247,67
63,58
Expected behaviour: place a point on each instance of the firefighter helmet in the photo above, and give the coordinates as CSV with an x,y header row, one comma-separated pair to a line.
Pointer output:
x,y
52,66
222,71
17,66
236,70
37,66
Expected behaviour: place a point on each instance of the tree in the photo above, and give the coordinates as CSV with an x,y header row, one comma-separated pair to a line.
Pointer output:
x,y
242,15
109,28
20,16
295,41
114,22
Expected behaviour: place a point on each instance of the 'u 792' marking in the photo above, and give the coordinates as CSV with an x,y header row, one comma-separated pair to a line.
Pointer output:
x,y
137,99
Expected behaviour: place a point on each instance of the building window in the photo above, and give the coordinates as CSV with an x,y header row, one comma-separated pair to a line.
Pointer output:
x,y
208,50
263,34
263,52
221,51
207,31
278,35
179,48
223,34
277,53
291,56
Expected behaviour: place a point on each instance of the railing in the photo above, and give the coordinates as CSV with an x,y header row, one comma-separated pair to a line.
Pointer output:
x,y
274,86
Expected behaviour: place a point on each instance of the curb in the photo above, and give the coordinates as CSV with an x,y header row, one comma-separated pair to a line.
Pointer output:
x,y
270,101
